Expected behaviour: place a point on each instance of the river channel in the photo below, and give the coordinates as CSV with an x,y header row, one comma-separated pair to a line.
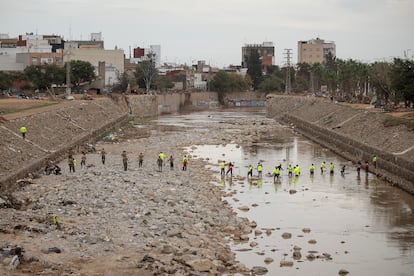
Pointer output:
x,y
340,221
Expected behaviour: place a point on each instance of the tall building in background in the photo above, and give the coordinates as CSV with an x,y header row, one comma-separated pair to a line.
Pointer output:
x,y
315,50
266,52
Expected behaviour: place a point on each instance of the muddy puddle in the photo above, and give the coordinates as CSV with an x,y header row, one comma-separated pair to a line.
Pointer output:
x,y
308,225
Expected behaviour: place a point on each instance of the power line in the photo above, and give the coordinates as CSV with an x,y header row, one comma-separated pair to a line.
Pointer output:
x,y
288,56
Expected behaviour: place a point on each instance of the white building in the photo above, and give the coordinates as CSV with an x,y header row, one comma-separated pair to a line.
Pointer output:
x,y
156,50
9,60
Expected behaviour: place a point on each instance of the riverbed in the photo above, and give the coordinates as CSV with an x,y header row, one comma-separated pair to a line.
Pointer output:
x,y
144,220
344,220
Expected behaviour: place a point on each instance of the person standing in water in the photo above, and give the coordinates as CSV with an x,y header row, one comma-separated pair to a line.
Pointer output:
x,y
276,173
222,168
259,169
250,171
323,166
230,169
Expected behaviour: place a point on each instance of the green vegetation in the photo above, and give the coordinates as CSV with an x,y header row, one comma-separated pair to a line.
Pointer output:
x,y
227,82
43,76
146,73
254,69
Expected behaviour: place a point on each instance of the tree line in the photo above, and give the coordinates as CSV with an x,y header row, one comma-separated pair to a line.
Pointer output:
x,y
42,77
345,80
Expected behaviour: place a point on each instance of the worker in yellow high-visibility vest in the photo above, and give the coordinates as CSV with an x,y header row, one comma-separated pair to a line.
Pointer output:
x,y
222,167
259,169
276,173
23,131
374,161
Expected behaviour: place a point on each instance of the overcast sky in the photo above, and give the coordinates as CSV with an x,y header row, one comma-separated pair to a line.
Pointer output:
x,y
215,30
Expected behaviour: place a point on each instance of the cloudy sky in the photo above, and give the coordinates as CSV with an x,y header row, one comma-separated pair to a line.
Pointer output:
x,y
215,30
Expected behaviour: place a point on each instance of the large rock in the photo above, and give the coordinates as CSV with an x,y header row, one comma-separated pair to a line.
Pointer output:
x,y
200,265
259,270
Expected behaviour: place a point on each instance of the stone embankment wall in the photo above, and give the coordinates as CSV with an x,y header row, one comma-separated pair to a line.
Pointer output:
x,y
53,133
355,134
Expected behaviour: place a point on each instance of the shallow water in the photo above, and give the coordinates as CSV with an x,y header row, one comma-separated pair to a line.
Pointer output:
x,y
366,225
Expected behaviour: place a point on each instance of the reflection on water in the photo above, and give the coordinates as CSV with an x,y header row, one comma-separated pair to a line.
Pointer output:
x,y
366,225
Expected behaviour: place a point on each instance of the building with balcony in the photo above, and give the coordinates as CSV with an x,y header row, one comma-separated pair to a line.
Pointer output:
x,y
315,50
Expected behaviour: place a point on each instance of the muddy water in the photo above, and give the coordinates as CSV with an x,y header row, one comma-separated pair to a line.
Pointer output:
x,y
363,224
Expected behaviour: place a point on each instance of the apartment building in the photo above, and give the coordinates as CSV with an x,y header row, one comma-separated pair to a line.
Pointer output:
x,y
315,50
266,52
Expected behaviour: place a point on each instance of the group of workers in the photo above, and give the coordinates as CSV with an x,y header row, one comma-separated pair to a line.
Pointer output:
x,y
293,170
161,160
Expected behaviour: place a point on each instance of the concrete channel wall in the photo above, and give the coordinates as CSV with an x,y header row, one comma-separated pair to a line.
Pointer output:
x,y
339,128
169,103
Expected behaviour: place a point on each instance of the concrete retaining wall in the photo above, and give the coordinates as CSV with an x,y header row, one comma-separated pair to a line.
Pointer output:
x,y
325,123
169,103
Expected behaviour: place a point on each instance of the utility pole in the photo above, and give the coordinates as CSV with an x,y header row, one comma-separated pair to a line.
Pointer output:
x,y
68,93
288,55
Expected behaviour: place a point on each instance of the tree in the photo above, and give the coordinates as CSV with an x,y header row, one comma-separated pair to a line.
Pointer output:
x,y
316,77
273,81
122,83
380,75
331,73
163,83
302,77
43,76
228,82
402,79
352,79
254,68
220,83
5,80
81,71
146,72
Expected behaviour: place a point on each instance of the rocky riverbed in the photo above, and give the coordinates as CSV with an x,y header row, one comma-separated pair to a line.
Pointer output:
x,y
140,221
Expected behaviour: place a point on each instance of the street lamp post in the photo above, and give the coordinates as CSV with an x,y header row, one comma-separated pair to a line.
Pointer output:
x,y
68,92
